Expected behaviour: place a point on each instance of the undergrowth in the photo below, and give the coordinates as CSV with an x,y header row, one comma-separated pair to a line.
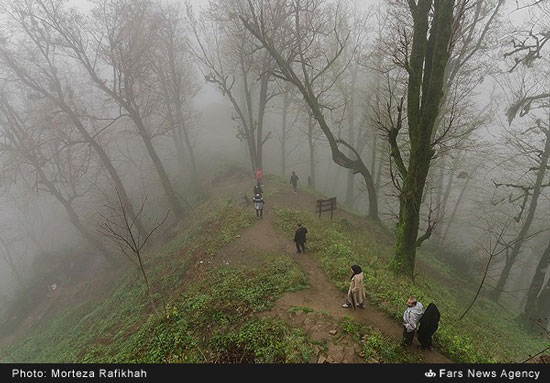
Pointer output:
x,y
488,334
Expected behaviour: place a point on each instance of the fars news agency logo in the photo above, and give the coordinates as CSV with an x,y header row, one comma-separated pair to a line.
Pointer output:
x,y
430,374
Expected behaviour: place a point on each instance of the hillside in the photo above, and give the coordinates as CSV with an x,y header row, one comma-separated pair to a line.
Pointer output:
x,y
234,290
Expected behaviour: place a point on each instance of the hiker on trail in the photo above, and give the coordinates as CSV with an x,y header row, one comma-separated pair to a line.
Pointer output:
x,y
259,176
356,292
258,189
258,205
300,238
294,181
411,316
428,325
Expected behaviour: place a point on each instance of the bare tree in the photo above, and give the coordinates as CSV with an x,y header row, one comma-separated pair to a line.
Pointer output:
x,y
173,67
45,73
306,38
291,115
240,71
120,40
57,168
528,193
123,232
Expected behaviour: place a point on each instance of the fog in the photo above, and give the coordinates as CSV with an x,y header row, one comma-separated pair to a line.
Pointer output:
x,y
92,101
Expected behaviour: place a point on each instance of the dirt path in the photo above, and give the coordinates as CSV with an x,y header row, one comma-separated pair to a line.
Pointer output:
x,y
262,238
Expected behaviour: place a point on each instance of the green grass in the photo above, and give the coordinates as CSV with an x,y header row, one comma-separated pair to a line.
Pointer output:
x,y
117,313
375,346
487,334
214,321
304,309
212,315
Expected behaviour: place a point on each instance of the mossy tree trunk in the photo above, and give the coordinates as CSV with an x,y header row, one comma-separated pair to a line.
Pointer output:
x,y
426,69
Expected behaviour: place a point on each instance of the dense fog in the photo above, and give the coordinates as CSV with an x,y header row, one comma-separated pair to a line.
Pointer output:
x,y
143,103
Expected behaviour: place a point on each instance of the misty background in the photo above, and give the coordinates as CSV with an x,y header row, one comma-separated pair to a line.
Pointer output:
x,y
55,185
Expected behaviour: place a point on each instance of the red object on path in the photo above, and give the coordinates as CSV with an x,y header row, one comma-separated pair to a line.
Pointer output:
x,y
259,175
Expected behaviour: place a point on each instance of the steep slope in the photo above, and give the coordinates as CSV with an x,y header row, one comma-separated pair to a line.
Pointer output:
x,y
233,290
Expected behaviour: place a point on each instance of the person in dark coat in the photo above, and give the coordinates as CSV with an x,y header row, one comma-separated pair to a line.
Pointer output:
x,y
300,238
428,325
258,189
294,181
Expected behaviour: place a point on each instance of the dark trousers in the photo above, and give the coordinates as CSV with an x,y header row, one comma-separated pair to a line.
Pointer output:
x,y
295,186
425,336
407,336
259,212
301,247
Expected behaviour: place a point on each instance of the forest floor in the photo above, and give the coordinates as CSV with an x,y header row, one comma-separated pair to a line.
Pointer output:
x,y
322,296
235,291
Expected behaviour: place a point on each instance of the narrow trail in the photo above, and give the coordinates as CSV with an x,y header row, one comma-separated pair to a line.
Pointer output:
x,y
322,296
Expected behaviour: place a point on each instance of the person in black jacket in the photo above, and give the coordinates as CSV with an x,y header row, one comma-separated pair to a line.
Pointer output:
x,y
258,189
300,238
428,325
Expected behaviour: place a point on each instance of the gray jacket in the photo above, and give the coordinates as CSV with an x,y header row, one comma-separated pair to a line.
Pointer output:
x,y
412,315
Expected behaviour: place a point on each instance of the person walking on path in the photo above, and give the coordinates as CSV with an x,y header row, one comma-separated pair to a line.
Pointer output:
x,y
356,292
259,176
300,238
258,205
411,316
428,325
258,189
294,181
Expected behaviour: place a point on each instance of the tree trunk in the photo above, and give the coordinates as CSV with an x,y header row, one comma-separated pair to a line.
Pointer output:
x,y
286,103
532,309
409,213
528,220
311,145
446,195
455,209
428,59
260,140
351,138
181,128
10,262
106,161
439,189
379,174
74,219
157,163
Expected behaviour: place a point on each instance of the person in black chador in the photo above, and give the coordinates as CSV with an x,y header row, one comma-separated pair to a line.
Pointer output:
x,y
300,239
258,189
428,325
294,181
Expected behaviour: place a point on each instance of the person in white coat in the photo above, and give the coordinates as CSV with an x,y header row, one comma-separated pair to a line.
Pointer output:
x,y
411,316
